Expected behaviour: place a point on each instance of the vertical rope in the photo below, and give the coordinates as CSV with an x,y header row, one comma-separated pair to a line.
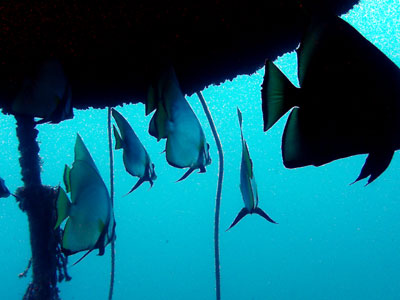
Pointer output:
x,y
38,202
111,290
218,197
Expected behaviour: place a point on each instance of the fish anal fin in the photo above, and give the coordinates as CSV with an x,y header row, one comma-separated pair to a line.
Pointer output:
x,y
375,164
278,95
86,254
295,150
240,216
261,213
138,183
188,172
118,140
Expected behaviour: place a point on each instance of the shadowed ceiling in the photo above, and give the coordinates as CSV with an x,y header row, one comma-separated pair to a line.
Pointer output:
x,y
112,50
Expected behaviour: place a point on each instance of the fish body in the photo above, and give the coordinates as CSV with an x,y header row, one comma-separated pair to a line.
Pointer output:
x,y
248,186
137,161
46,95
4,192
348,102
90,223
174,119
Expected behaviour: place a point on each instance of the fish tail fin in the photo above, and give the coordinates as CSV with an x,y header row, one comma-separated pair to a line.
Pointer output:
x,y
139,183
375,164
240,216
118,140
278,95
261,213
186,174
63,206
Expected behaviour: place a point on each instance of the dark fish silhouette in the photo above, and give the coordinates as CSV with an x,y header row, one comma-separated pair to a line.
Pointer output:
x,y
248,186
46,95
347,104
137,161
175,120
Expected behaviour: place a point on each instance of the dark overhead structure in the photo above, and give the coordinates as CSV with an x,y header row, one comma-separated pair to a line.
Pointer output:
x,y
111,50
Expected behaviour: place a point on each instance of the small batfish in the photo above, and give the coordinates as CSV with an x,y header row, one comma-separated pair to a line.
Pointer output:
x,y
90,223
137,161
248,185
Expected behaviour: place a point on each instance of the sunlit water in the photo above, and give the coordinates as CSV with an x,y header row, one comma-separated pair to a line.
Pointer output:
x,y
333,241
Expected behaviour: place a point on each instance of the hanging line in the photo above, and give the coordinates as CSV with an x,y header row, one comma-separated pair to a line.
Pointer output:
x,y
111,290
218,197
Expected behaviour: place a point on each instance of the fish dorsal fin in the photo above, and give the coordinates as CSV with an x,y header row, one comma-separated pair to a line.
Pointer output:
x,y
240,119
67,178
62,205
82,153
171,92
248,161
245,149
119,143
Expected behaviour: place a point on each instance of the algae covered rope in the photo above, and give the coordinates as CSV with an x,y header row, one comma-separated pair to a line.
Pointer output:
x,y
218,197
38,203
111,290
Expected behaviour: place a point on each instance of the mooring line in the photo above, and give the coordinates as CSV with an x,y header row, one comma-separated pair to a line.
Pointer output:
x,y
218,197
111,290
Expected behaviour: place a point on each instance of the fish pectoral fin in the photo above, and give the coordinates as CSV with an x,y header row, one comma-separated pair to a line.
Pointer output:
x,y
119,143
67,180
63,206
139,183
278,95
375,164
186,174
261,213
240,216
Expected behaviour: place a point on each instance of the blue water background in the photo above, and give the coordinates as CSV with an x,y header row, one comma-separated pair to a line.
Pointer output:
x,y
333,241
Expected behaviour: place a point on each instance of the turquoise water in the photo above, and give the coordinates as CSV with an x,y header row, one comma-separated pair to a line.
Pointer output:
x,y
333,241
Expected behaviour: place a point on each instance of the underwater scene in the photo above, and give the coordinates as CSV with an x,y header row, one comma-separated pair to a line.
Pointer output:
x,y
332,240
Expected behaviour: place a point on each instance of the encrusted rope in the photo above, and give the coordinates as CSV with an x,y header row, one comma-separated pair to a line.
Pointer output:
x,y
111,290
218,197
